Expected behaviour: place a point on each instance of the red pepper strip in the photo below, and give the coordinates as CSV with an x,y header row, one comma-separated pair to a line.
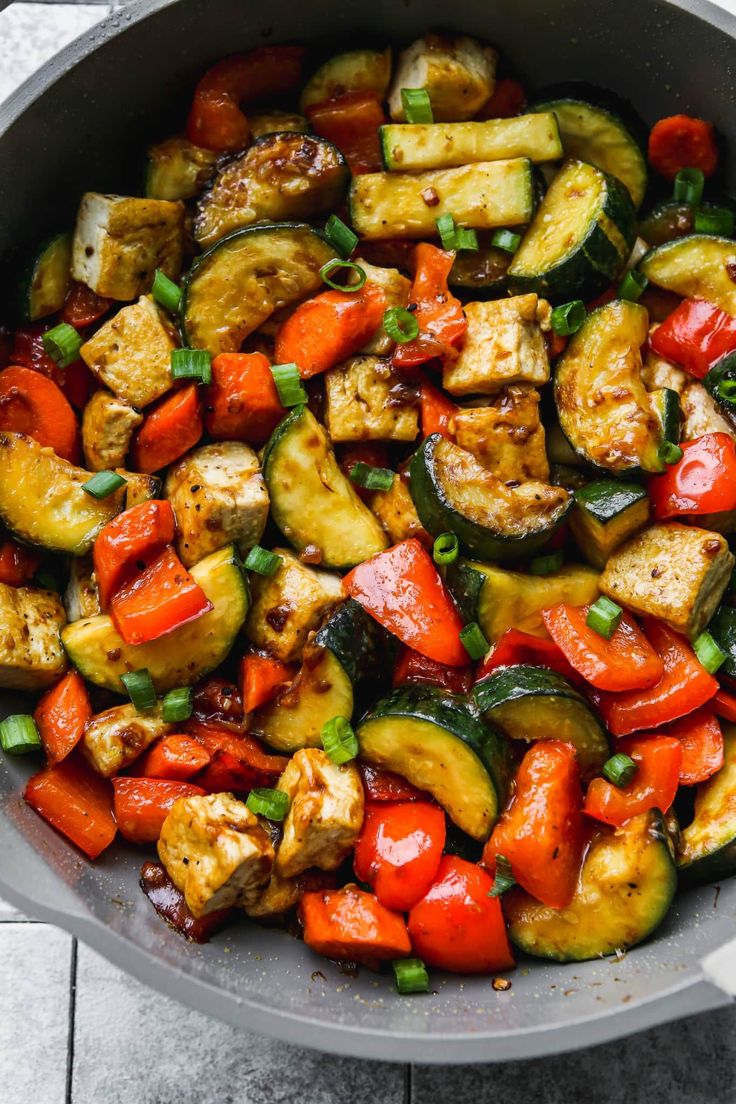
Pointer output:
x,y
76,802
681,142
508,99
442,323
177,758
695,335
18,564
62,715
163,598
436,410
658,759
383,785
625,662
398,851
261,677
169,903
329,328
542,831
351,123
514,647
401,588
351,924
701,740
142,805
132,538
238,762
684,686
83,306
724,705
171,428
242,403
702,482
413,667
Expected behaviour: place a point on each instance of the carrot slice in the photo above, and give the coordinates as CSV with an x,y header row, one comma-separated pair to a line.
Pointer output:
x,y
349,923
75,801
329,328
62,715
32,404
170,430
242,402
177,758
261,676
625,662
238,762
682,142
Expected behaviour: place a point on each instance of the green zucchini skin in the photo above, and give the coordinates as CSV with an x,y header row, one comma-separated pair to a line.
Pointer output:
x,y
44,279
723,630
723,369
363,647
606,513
607,499
707,847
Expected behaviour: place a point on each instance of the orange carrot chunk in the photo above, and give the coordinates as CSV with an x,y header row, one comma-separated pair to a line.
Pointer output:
x,y
349,923
330,328
76,802
32,404
681,142
170,430
177,757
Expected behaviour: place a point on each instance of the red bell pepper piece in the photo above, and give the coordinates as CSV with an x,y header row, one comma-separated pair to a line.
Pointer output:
x,y
681,142
402,589
76,802
724,705
399,849
658,760
542,831
684,686
436,410
142,805
238,762
413,667
28,350
695,335
514,647
383,785
242,403
161,599
132,538
177,758
82,306
351,924
351,123
18,564
261,678
701,740
329,328
440,317
32,404
169,903
625,662
62,715
508,99
457,926
702,482
171,428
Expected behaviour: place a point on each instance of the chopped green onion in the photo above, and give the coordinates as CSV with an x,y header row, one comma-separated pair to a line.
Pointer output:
x,y
191,364
262,561
19,735
545,565
166,292
400,325
339,740
669,452
504,878
288,384
140,689
466,238
340,235
619,769
604,616
714,220
62,343
350,266
103,484
417,106
727,390
410,975
506,240
273,804
689,184
446,548
473,640
177,704
568,317
632,285
447,231
708,652
372,479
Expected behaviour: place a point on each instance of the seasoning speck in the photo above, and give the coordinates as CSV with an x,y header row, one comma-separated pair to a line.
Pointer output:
x,y
501,985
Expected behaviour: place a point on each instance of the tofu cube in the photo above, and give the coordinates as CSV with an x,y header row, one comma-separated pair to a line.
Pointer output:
x,y
325,816
31,653
396,288
113,739
700,414
120,241
216,852
507,436
131,354
139,487
365,401
458,73
108,424
674,572
397,513
503,344
219,497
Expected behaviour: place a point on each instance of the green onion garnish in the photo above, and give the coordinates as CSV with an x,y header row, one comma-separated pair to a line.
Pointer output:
x,y
262,561
727,390
506,240
103,484
336,264
417,106
340,235
466,238
446,230
568,317
619,769
473,640
669,452
273,804
632,285
504,878
166,293
410,975
19,735
545,565
688,188
177,704
604,616
191,364
446,548
372,479
339,740
62,343
140,689
709,653
400,325
288,384
714,220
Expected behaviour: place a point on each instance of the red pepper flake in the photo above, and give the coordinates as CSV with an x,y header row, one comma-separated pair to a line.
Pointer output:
x,y
430,197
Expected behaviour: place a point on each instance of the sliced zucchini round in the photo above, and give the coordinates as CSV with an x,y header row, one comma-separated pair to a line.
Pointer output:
x,y
483,273
179,658
580,238
177,169
241,280
532,703
312,501
700,266
607,512
624,892
276,122
439,744
45,278
453,492
724,370
706,850
354,71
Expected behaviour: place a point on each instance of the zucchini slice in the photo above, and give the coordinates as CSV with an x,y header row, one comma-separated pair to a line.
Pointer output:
x,y
312,501
241,280
580,238
605,411
281,178
411,147
706,849
42,501
184,655
722,628
699,266
277,122
626,886
482,272
606,513
724,369
484,195
44,279
597,135
353,71
453,492
177,169
437,742
531,703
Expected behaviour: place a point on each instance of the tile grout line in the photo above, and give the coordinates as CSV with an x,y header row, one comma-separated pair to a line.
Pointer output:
x,y
408,1072
72,1019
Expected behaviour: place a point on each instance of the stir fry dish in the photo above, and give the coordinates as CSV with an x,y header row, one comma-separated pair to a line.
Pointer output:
x,y
368,490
